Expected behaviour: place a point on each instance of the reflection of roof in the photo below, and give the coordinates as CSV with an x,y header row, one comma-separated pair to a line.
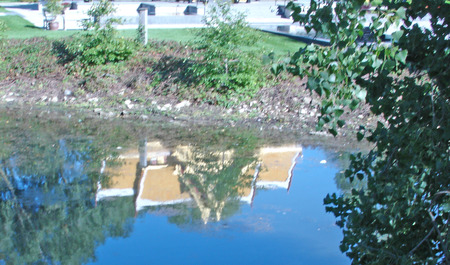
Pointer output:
x,y
159,186
277,166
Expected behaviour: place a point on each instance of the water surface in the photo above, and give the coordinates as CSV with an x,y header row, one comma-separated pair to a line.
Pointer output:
x,y
77,192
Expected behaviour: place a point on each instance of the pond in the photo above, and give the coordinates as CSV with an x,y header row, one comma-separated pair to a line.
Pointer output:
x,y
80,190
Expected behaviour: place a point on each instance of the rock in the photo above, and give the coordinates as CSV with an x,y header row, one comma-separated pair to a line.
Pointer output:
x,y
303,111
93,100
9,99
166,107
144,117
98,110
68,93
360,117
182,104
44,98
128,104
55,99
307,100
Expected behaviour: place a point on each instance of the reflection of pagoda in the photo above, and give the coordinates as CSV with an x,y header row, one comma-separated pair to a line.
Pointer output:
x,y
153,181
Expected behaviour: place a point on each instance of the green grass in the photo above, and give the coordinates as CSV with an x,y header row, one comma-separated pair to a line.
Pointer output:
x,y
181,35
19,28
268,42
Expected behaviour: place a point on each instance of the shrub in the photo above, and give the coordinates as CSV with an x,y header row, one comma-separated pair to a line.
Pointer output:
x,y
228,74
95,48
98,44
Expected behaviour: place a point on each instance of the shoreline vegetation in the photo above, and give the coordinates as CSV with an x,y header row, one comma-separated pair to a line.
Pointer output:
x,y
154,80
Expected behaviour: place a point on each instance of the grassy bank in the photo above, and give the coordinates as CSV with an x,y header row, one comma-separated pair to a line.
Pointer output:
x,y
35,70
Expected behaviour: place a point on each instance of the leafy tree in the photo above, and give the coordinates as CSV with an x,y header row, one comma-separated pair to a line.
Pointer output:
x,y
228,73
402,215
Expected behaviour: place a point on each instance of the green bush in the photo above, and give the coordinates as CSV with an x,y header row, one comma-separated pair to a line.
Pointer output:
x,y
98,44
228,74
95,48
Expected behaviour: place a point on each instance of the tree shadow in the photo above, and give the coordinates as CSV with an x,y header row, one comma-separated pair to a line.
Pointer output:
x,y
177,69
32,27
25,6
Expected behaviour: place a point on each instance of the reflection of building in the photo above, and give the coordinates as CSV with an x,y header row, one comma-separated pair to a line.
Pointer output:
x,y
154,181
122,178
277,164
159,185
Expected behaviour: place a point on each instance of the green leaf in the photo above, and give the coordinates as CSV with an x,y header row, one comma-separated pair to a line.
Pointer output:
x,y
401,12
401,56
338,112
361,94
397,35
333,131
320,123
359,136
332,78
376,2
389,65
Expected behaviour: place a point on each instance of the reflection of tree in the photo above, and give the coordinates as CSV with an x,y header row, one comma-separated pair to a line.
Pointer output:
x,y
214,178
342,160
65,232
47,205
48,211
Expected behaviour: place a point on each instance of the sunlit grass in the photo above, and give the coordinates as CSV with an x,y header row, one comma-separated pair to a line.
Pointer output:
x,y
19,28
267,42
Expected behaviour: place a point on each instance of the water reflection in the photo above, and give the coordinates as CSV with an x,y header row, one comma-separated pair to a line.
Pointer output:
x,y
63,195
48,214
211,181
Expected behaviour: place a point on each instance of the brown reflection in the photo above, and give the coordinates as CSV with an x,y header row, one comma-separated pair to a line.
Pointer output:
x,y
157,176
